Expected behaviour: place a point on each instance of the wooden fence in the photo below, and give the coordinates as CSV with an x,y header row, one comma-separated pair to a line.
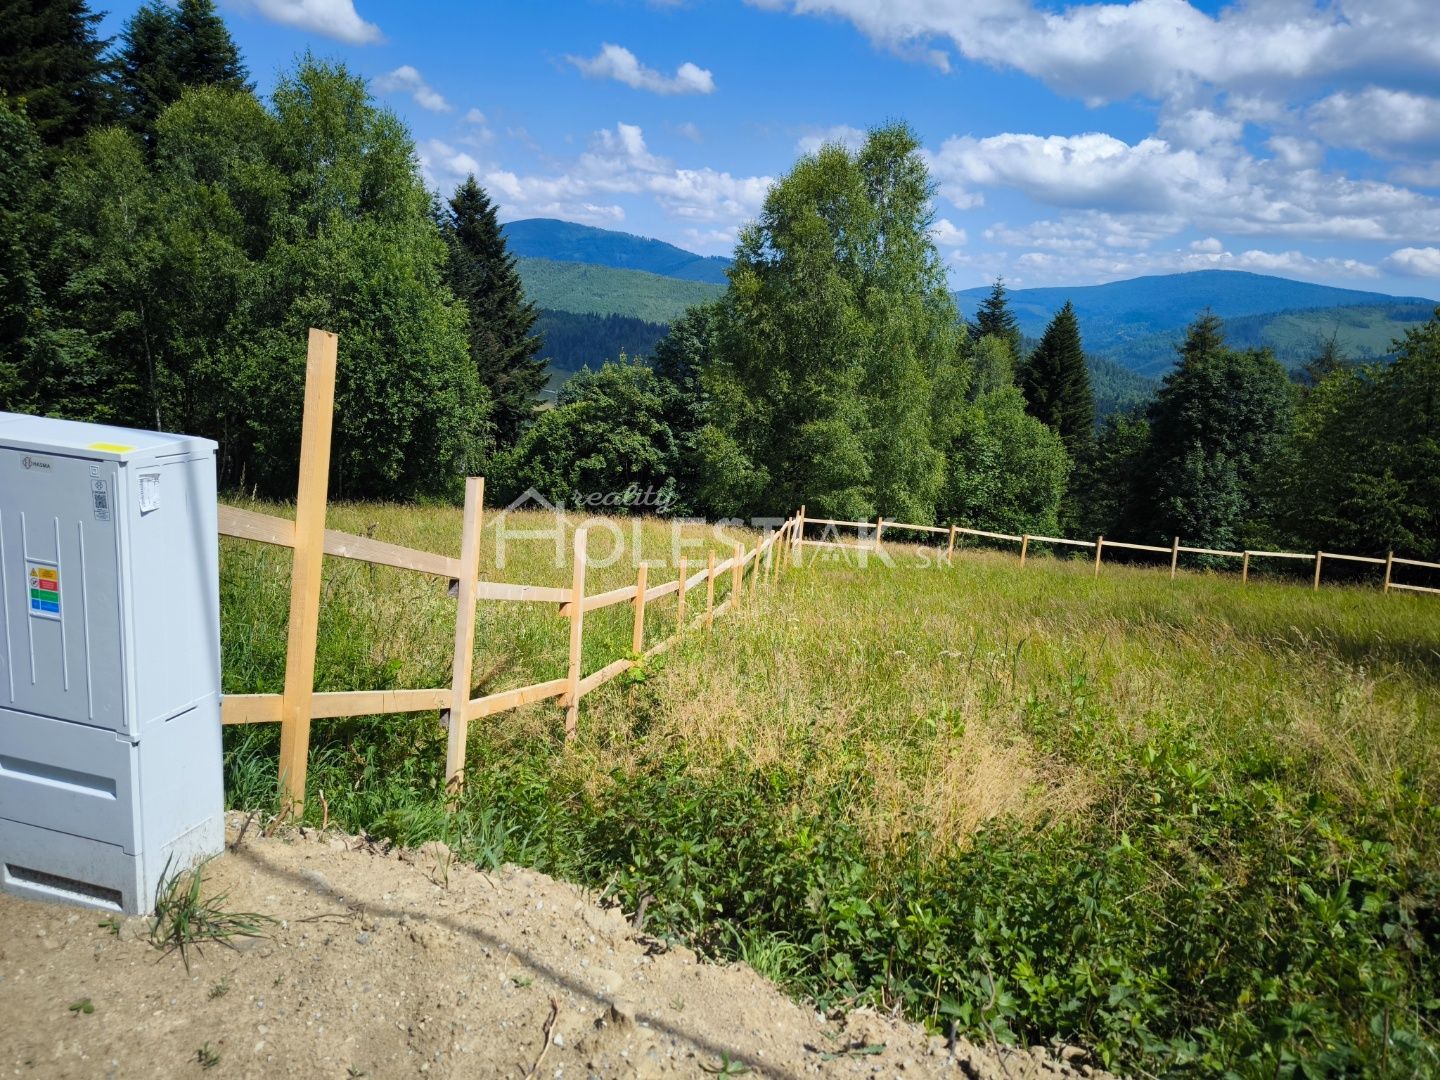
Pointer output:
x,y
310,541
870,534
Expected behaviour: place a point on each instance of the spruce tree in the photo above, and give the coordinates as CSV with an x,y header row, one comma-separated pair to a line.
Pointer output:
x,y
54,65
167,49
481,273
995,319
1056,382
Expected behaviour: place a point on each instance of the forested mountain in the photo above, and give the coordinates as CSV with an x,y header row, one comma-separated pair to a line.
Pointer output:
x,y
1138,323
601,290
566,241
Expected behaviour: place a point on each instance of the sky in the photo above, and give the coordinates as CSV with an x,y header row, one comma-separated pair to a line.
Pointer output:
x,y
1071,143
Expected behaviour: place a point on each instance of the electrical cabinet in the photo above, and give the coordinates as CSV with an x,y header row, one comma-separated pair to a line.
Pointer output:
x,y
109,661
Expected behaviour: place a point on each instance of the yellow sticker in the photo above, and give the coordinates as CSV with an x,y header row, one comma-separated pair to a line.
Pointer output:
x,y
114,448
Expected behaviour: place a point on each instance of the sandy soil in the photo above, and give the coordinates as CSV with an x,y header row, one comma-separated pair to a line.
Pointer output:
x,y
388,963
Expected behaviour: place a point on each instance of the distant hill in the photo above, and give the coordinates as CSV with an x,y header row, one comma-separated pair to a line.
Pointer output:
x,y
1136,323
573,341
565,241
602,290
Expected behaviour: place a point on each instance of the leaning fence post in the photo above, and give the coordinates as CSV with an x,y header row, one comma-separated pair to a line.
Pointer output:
x,y
950,548
306,567
577,626
1319,561
798,538
1389,566
637,635
1245,569
680,595
710,591
464,663
755,571
1024,548
1099,550
879,528
737,576
1174,557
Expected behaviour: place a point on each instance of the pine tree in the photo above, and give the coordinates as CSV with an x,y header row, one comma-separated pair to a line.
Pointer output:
x,y
995,319
482,274
167,49
52,62
1056,382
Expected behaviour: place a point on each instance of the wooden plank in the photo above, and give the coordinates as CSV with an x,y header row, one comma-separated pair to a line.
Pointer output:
x,y
879,529
622,595
306,567
463,661
604,675
1245,570
1055,540
637,630
1099,551
682,586
710,590
838,544
655,592
1137,547
1413,588
1319,562
845,524
250,709
737,573
366,549
513,699
538,594
1024,548
695,579
917,528
577,629
1280,555
1211,551
249,525
1354,558
1174,557
1415,562
950,548
377,702
1389,568
998,536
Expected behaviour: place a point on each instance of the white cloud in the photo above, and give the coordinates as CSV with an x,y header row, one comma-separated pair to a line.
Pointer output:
x,y
1201,128
1385,122
619,63
1065,268
333,18
1427,175
690,131
405,79
1161,49
946,234
1414,262
618,162
443,166
475,116
1208,246
852,138
1230,192
1295,152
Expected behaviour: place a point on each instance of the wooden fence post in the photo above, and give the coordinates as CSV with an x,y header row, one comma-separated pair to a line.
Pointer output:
x,y
755,569
1024,548
577,626
879,528
950,549
637,635
1245,569
680,595
737,576
798,538
710,591
1099,550
1389,566
463,665
1174,557
306,567
1319,561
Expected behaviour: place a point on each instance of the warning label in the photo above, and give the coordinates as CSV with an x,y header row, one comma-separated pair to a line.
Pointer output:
x,y
101,499
44,582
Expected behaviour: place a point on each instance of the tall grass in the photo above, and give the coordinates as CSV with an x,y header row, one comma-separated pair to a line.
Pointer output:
x,y
1189,824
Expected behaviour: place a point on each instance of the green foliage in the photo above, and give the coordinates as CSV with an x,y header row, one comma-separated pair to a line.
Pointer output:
x,y
1007,470
166,50
1105,490
995,319
603,290
52,63
1364,467
607,434
836,327
1216,427
1056,382
572,341
20,298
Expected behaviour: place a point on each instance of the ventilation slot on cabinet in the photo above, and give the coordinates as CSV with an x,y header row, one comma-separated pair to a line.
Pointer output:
x,y
63,888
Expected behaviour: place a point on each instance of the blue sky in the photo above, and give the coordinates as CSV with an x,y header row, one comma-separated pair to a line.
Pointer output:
x,y
1072,143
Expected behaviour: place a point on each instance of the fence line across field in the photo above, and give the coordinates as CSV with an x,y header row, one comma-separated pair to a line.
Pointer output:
x,y
875,529
309,540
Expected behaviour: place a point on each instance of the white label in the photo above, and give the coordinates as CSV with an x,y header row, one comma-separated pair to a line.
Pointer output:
x,y
100,496
149,492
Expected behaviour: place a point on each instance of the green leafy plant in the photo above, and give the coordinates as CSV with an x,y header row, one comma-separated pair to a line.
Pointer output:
x,y
184,920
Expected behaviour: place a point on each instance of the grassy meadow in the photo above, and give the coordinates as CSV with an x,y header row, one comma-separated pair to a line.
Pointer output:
x,y
1191,826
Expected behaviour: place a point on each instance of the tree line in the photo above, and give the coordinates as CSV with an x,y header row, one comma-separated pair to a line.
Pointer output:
x,y
168,237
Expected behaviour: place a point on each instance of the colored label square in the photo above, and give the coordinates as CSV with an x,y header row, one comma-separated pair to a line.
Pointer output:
x,y
49,607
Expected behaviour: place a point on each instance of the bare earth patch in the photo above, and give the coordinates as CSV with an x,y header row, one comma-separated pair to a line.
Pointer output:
x,y
396,963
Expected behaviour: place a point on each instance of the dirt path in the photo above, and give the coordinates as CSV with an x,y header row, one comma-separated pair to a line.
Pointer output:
x,y
387,964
